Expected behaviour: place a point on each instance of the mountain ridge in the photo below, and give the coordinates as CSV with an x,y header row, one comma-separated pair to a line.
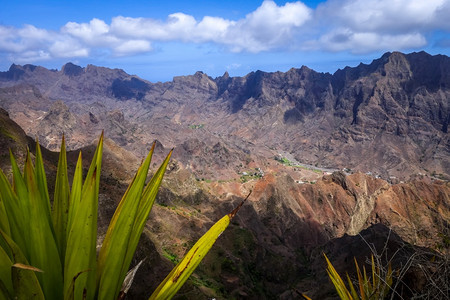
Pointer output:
x,y
389,117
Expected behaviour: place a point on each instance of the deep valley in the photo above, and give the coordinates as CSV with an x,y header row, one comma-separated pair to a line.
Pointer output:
x,y
340,163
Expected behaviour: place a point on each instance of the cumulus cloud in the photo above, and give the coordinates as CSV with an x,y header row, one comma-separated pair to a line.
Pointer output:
x,y
363,42
357,26
371,25
268,27
132,47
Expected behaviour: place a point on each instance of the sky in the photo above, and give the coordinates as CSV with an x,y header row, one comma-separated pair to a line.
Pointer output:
x,y
158,40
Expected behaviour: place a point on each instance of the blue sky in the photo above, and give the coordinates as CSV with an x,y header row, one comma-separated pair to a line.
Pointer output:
x,y
157,40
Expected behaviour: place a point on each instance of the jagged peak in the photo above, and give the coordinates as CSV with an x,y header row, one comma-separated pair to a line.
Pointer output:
x,y
71,69
27,67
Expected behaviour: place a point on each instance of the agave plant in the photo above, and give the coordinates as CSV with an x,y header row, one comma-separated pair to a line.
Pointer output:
x,y
374,288
48,250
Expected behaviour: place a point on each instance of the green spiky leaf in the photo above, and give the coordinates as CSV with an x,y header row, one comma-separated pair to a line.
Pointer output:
x,y
61,202
82,230
181,272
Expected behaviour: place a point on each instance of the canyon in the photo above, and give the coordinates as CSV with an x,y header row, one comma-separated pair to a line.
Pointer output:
x,y
332,160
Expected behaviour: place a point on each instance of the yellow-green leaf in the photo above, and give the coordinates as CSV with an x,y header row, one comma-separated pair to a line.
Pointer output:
x,y
81,243
25,282
145,206
42,182
61,202
337,281
176,278
181,272
112,255
352,288
361,281
82,228
5,269
14,211
43,251
75,193
4,222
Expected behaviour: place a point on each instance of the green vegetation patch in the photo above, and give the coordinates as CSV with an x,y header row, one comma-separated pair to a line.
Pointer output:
x,y
196,126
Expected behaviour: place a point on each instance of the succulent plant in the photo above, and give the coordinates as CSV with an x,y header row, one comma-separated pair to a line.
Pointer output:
x,y
48,250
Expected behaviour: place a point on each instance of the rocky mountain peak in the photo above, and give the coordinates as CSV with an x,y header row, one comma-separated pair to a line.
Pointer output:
x,y
398,67
225,75
70,69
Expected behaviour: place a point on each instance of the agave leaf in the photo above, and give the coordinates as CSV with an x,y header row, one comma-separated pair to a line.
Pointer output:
x,y
75,193
145,206
15,214
181,272
42,183
361,281
96,164
19,188
4,293
389,275
81,243
112,255
375,279
61,201
367,284
305,297
337,281
24,286
82,229
352,288
43,251
25,282
4,222
388,284
340,289
5,270
71,292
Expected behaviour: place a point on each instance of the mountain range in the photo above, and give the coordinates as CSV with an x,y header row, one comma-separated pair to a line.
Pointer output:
x,y
330,158
389,117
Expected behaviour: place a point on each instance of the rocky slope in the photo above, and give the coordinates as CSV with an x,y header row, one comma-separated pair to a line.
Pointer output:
x,y
389,117
272,247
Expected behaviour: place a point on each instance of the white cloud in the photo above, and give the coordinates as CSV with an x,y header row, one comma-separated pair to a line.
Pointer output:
x,y
362,26
132,47
269,26
357,26
30,56
389,15
364,42
96,33
68,48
